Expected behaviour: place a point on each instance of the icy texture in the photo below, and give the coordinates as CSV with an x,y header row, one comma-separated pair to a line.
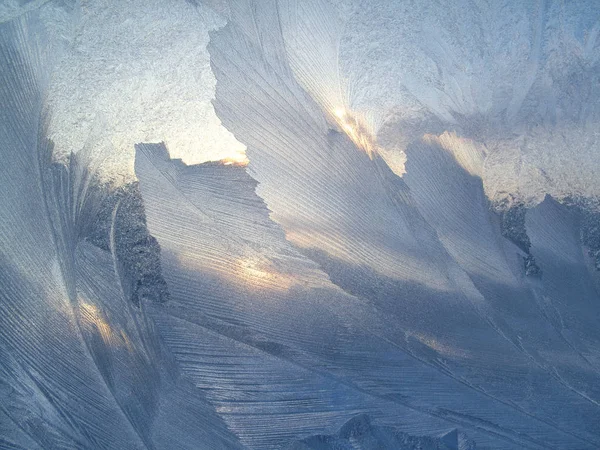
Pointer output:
x,y
359,432
121,223
314,297
240,324
138,72
520,78
79,362
590,234
425,252
11,9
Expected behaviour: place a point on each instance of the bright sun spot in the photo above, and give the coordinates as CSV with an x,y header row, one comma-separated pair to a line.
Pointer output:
x,y
260,274
357,129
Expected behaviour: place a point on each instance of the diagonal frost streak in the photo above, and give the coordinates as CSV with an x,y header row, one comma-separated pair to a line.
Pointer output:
x,y
311,298
361,222
236,335
81,367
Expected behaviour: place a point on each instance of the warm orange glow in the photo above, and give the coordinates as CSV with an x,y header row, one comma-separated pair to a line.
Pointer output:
x,y
340,113
259,273
356,129
92,316
239,159
468,153
246,272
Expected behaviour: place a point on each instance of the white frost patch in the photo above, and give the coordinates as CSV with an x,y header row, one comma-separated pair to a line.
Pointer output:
x,y
520,78
10,9
138,71
561,161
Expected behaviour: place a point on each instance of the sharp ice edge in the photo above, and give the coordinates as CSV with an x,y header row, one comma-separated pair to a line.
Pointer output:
x,y
517,78
484,271
79,361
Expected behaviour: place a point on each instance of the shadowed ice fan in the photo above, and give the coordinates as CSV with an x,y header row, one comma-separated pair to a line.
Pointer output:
x,y
303,224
